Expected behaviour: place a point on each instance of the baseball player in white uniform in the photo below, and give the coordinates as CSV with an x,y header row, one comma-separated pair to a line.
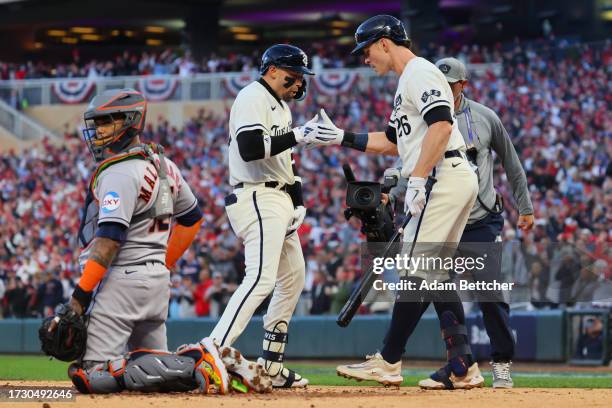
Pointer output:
x,y
266,208
423,132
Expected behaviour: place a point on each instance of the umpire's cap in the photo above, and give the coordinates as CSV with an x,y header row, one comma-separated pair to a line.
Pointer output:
x,y
377,27
287,57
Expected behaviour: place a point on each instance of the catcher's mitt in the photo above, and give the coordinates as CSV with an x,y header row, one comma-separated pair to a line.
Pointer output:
x,y
67,341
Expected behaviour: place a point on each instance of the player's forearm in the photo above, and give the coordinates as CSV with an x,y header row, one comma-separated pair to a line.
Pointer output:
x,y
180,239
432,149
254,145
103,251
379,143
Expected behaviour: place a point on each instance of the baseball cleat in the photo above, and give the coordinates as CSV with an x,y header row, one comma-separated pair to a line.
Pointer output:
x,y
501,374
444,379
249,373
286,378
214,367
375,368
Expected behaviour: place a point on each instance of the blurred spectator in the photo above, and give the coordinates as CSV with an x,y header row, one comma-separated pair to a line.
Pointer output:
x,y
17,298
202,305
342,291
590,342
189,266
218,294
50,292
320,294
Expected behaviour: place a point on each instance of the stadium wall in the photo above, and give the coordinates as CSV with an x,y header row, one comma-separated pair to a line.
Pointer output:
x,y
540,336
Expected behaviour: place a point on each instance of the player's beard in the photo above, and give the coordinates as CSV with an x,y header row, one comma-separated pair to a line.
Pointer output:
x,y
288,96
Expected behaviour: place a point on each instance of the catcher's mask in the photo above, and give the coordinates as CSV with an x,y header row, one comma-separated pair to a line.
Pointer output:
x,y
112,120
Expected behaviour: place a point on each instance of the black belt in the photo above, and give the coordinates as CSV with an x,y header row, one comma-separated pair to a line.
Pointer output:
x,y
142,263
452,153
269,184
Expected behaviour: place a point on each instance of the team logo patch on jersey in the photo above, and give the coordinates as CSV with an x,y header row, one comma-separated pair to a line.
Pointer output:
x,y
430,95
110,202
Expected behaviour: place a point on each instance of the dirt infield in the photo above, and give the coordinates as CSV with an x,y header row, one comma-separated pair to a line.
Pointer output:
x,y
340,397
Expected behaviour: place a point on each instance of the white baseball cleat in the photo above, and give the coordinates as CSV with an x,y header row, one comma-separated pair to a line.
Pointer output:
x,y
501,374
214,366
286,378
443,379
375,368
250,373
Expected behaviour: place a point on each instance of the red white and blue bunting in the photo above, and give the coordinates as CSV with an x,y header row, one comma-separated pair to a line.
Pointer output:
x,y
234,84
73,90
157,89
335,83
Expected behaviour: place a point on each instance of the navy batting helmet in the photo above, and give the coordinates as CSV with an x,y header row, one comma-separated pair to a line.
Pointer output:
x,y
287,57
377,27
128,105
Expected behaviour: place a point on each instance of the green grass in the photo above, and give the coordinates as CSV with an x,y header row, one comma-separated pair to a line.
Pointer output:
x,y
27,367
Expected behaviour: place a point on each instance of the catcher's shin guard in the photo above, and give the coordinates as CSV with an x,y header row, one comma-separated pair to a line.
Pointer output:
x,y
158,371
98,378
273,355
191,367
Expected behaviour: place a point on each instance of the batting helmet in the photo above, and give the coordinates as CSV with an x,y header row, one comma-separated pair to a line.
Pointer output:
x,y
287,57
377,27
104,109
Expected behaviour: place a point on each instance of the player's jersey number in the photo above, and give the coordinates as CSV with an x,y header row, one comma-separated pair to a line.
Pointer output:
x,y
402,125
160,225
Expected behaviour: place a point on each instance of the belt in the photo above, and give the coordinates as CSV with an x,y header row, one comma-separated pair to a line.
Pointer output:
x,y
142,263
269,184
452,153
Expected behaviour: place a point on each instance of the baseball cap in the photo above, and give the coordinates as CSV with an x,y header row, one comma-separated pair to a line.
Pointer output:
x,y
453,69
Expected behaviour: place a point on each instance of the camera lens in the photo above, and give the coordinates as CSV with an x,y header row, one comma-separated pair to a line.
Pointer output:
x,y
364,196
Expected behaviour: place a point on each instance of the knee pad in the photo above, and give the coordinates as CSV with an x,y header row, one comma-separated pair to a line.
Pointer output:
x,y
98,378
274,344
458,351
158,371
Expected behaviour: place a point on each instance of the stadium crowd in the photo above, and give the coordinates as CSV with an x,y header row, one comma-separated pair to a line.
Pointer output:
x,y
183,63
558,123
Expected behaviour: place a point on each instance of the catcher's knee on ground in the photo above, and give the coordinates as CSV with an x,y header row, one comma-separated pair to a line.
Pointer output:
x,y
145,371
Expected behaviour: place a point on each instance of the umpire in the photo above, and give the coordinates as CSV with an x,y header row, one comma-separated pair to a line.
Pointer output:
x,y
484,133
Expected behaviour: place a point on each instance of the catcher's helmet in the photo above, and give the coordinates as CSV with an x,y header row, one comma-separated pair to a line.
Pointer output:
x,y
287,57
104,109
377,27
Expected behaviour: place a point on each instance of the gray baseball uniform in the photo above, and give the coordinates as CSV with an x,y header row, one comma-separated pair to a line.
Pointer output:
x,y
130,306
482,128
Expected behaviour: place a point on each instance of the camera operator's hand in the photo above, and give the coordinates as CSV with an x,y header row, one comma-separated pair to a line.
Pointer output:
x,y
415,196
298,218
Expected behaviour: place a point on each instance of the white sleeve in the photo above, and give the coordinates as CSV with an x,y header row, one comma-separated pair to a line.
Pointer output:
x,y
426,89
249,113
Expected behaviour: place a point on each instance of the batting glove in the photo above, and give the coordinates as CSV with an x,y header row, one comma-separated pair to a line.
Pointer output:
x,y
415,196
298,218
327,127
303,132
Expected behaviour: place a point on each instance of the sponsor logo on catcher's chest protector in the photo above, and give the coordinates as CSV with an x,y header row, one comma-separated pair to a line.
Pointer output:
x,y
110,202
